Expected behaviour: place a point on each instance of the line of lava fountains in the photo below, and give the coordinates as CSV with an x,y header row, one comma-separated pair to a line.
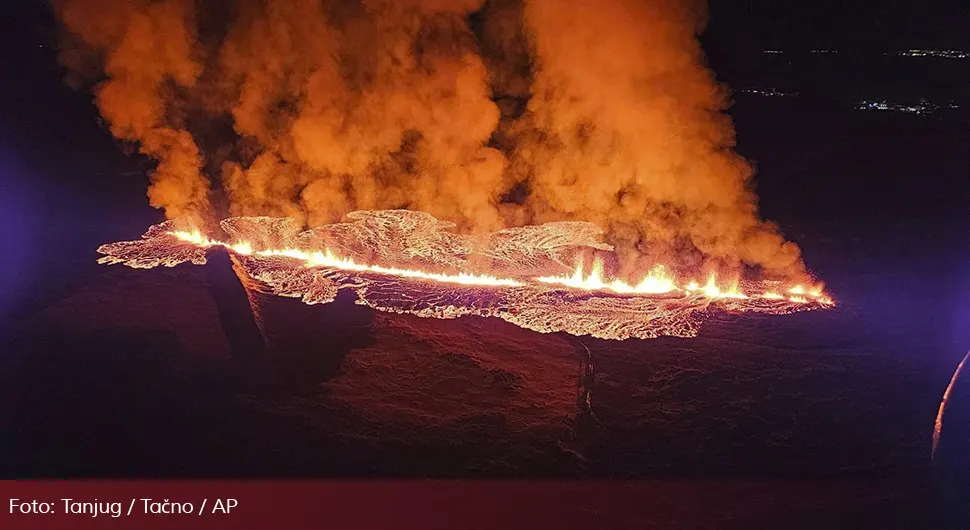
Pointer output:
x,y
657,281
408,262
326,259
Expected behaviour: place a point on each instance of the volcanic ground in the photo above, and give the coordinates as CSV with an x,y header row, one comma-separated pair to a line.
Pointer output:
x,y
164,373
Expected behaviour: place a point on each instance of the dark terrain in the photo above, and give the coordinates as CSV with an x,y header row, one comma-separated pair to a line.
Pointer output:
x,y
807,420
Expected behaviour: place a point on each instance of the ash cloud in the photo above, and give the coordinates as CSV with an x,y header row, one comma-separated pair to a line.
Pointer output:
x,y
486,114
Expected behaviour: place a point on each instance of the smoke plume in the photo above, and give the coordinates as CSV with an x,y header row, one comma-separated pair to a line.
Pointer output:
x,y
487,114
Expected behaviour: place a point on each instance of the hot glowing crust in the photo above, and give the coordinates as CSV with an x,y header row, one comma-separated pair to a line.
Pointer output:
x,y
408,262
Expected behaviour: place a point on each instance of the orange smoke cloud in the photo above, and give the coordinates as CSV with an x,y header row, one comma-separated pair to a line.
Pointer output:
x,y
146,49
486,114
625,129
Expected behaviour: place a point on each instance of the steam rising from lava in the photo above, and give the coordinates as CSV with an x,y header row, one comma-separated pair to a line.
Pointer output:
x,y
485,114
409,262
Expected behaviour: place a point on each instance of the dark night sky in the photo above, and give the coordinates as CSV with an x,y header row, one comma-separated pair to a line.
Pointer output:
x,y
845,24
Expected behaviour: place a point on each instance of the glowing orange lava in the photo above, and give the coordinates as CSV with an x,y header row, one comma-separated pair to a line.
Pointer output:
x,y
327,259
408,262
657,281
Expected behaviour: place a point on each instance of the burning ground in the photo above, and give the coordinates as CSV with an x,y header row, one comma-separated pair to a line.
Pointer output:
x,y
409,262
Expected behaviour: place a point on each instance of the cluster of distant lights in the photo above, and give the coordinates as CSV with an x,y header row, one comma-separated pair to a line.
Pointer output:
x,y
923,108
770,92
810,51
888,106
876,105
947,54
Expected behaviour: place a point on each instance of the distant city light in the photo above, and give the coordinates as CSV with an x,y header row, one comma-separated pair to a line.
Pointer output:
x,y
947,54
919,108
812,51
771,92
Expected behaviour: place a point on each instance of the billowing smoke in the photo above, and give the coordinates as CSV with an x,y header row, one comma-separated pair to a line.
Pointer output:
x,y
146,51
487,114
624,128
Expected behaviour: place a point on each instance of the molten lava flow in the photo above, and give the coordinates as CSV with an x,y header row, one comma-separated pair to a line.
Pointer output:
x,y
326,259
656,282
410,262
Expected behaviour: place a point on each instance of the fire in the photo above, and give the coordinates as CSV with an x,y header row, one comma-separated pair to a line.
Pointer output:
x,y
802,295
713,291
327,259
659,281
403,262
656,282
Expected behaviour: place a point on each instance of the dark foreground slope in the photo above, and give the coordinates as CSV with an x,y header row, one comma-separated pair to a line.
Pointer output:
x,y
150,373
169,363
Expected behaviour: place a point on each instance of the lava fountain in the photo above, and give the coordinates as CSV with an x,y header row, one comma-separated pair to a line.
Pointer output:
x,y
409,262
